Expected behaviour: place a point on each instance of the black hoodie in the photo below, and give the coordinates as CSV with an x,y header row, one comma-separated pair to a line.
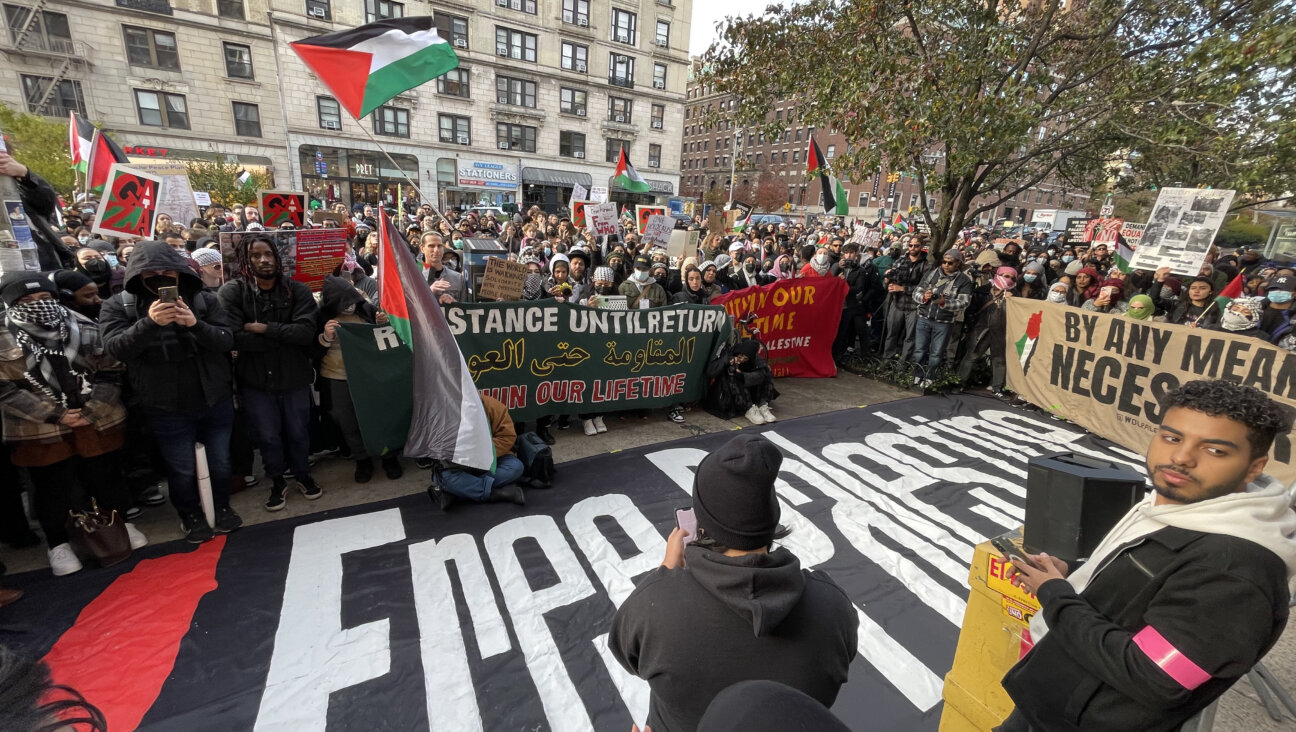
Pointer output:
x,y
169,367
692,632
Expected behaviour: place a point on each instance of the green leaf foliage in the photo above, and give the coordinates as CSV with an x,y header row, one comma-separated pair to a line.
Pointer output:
x,y
40,143
220,180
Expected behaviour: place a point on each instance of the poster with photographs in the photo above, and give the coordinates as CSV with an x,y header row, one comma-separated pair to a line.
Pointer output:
x,y
307,254
1181,229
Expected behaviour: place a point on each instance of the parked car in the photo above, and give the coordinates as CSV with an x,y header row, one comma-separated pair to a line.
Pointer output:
x,y
762,219
495,211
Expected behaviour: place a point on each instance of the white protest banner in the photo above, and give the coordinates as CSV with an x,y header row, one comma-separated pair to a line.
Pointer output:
x,y
602,219
578,194
1181,229
657,231
202,198
598,193
1133,233
683,243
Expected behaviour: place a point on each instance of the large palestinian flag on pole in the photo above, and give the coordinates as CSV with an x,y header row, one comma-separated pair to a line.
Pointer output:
x,y
449,421
365,67
626,177
80,137
103,153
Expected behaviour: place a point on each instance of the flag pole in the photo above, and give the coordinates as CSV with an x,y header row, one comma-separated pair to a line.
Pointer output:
x,y
397,166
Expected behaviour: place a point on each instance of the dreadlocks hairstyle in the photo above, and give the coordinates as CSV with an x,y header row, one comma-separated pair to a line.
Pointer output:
x,y
243,257
1264,418
30,702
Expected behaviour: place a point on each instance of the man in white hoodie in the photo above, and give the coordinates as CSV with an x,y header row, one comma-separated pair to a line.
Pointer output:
x,y
1183,596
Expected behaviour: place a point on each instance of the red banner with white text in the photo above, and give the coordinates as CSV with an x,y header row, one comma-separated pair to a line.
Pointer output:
x,y
797,320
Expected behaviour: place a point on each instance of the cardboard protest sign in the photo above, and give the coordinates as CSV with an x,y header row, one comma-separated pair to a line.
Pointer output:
x,y
202,198
503,280
715,223
578,213
578,194
129,204
279,207
598,194
642,213
602,219
683,243
657,230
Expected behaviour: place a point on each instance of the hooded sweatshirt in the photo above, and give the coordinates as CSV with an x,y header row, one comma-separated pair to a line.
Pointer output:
x,y
692,632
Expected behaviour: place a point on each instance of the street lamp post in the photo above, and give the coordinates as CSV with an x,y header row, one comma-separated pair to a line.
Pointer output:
x,y
733,167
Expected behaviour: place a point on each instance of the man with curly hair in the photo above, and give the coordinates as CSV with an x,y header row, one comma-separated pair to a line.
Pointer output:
x,y
1184,595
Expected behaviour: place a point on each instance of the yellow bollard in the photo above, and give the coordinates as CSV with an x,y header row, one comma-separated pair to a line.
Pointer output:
x,y
995,635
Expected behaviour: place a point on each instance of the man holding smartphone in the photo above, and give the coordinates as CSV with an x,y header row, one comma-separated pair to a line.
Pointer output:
x,y
1184,595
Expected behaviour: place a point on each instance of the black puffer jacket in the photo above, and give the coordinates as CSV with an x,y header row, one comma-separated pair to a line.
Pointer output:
x,y
39,203
277,360
168,367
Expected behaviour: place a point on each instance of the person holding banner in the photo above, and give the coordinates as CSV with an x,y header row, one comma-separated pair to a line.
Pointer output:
x,y
40,203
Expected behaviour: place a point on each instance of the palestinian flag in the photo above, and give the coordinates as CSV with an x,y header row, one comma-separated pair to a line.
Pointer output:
x,y
899,223
1026,344
80,136
834,195
1231,291
1124,255
365,67
103,153
815,163
449,421
626,177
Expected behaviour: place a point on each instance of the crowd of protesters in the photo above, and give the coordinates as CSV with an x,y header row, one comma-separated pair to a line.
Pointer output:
x,y
120,355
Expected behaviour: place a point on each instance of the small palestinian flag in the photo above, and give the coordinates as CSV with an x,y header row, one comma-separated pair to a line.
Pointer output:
x,y
626,177
899,224
80,137
365,67
834,196
243,177
449,421
1231,292
1124,255
103,153
1026,344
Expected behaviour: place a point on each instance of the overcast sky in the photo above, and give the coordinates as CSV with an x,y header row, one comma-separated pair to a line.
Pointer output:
x,y
707,12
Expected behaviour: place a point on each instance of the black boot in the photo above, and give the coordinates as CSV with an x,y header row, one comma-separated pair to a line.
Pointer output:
x,y
440,498
364,470
543,434
511,493
392,467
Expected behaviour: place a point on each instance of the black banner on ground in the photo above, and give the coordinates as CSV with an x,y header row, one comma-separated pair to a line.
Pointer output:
x,y
495,617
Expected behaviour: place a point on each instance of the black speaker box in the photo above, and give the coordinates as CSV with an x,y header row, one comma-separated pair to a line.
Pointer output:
x,y
1072,501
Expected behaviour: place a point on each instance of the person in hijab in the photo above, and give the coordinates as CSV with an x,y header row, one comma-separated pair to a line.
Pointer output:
x,y
741,383
1086,287
1242,318
61,409
749,275
76,292
1140,307
91,263
557,285
694,291
989,323
783,268
1058,293
710,280
211,267
1110,299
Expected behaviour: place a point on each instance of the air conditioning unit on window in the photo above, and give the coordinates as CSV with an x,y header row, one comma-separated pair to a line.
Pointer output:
x,y
582,22
502,3
659,84
462,140
515,4
580,66
316,11
502,99
663,43
461,43
503,146
657,124
331,124
620,118
502,50
578,154
579,111
623,38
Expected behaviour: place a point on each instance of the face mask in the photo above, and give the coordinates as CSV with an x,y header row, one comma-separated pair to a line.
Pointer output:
x,y
1058,296
450,264
750,267
156,282
458,243
1067,259
1279,296
83,239
97,270
821,259
1234,322
548,251
90,311
1029,277
641,275
603,289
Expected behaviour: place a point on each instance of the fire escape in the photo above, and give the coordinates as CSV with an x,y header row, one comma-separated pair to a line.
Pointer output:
x,y
29,39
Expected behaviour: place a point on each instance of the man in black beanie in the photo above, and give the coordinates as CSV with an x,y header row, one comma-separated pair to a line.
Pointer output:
x,y
729,607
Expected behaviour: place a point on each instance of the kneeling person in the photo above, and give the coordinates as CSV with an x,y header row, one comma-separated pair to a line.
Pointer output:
x,y
484,486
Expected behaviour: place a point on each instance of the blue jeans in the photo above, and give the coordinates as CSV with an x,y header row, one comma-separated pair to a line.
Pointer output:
x,y
176,434
508,469
929,344
279,424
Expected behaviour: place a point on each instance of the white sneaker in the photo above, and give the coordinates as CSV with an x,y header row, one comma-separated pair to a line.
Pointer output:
x,y
63,560
767,414
598,425
590,429
754,415
137,538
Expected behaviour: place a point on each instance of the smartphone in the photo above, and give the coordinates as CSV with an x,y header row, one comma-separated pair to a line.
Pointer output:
x,y
170,293
1109,291
1011,552
687,520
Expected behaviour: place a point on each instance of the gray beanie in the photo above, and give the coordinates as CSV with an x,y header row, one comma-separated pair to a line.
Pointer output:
x,y
733,493
1073,268
723,260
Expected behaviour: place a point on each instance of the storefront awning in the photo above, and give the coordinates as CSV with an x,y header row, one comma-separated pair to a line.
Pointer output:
x,y
549,177
656,186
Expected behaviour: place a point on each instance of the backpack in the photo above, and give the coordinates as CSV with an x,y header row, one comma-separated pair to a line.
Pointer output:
x,y
537,457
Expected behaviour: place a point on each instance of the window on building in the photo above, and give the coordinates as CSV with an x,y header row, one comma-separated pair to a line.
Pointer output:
x,y
382,9
525,6
663,34
153,48
832,150
571,144
614,146
455,129
798,135
863,199
50,32
238,61
514,44
454,83
621,70
159,109
658,116
654,156
247,119
796,156
329,112
321,9
576,12
391,121
572,101
517,92
575,57
619,110
624,25
230,9
65,97
784,156
515,137
659,76
778,115
787,135
453,28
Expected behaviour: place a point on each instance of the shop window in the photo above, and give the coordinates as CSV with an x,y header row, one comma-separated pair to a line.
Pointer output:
x,y
238,61
571,144
159,109
152,48
454,83
247,119
515,137
391,121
